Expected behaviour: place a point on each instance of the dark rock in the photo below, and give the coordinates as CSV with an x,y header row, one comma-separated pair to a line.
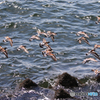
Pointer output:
x,y
67,80
61,93
27,83
98,77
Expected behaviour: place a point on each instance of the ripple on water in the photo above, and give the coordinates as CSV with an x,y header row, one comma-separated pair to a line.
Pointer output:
x,y
21,19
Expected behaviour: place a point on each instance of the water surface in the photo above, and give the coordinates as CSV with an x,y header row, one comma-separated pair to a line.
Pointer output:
x,y
20,19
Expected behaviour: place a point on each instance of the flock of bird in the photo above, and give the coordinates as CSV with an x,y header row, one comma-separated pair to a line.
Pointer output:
x,y
47,52
90,51
93,51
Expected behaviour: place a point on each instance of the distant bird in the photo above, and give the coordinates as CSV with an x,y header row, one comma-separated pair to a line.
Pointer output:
x,y
23,48
49,53
96,46
83,33
3,50
7,38
51,34
84,39
41,33
93,53
95,71
34,37
45,43
88,59
98,20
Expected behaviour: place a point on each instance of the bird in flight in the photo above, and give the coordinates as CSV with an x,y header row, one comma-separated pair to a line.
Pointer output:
x,y
34,37
41,33
95,71
44,43
98,20
88,59
3,50
96,46
49,53
84,39
23,48
51,34
93,53
7,38
83,33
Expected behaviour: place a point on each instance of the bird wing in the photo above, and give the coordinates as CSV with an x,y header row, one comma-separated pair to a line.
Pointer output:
x,y
11,42
37,38
26,50
44,54
5,53
95,54
53,57
86,41
85,61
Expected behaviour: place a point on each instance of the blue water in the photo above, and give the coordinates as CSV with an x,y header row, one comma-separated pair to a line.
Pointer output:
x,y
20,19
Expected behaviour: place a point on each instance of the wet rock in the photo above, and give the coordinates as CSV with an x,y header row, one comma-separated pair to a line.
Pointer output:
x,y
98,77
61,94
31,91
67,80
27,83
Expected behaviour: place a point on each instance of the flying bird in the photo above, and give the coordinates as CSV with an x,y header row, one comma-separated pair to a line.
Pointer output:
x,y
88,59
93,53
84,39
49,53
3,50
95,71
98,20
96,46
83,33
7,38
41,33
34,37
51,34
23,48
44,43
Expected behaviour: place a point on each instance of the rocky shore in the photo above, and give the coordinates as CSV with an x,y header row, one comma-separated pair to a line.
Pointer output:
x,y
62,90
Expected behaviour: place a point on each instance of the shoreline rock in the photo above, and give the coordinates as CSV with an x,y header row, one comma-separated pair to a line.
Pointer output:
x,y
61,93
65,84
67,80
27,83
